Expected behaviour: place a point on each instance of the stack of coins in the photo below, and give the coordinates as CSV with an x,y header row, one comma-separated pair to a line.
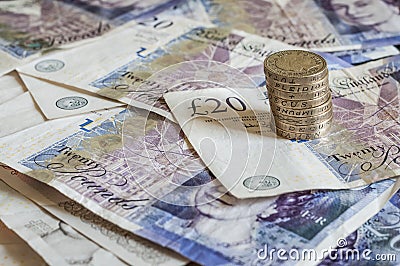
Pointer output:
x,y
299,95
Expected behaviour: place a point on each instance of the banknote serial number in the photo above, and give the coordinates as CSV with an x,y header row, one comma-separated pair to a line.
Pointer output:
x,y
215,105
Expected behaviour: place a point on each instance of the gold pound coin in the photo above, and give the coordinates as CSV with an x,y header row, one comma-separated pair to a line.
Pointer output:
x,y
298,88
301,136
312,128
314,111
297,66
298,96
303,121
295,104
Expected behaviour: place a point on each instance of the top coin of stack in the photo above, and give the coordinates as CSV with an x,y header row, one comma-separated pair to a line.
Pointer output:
x,y
299,95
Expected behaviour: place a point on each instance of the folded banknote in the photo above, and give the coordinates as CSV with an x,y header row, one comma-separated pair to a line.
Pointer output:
x,y
55,241
56,100
122,243
14,251
162,194
215,55
231,130
137,170
10,87
83,65
30,29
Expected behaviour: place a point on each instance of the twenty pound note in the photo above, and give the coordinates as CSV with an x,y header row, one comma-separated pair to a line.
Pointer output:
x,y
323,25
231,131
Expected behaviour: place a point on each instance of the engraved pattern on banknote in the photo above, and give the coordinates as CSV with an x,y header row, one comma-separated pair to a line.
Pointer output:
x,y
26,33
200,46
118,176
312,24
299,220
379,235
366,119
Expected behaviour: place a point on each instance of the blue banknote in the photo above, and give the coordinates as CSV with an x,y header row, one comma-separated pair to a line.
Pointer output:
x,y
146,181
365,55
247,232
28,27
325,25
376,242
120,12
141,81
334,62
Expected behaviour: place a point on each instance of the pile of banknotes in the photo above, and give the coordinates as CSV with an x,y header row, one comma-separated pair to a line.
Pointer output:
x,y
299,95
139,132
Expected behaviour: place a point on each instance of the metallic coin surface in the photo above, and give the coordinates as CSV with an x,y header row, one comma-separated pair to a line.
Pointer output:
x,y
298,96
297,88
301,136
302,104
314,111
292,81
301,66
301,121
306,128
298,92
